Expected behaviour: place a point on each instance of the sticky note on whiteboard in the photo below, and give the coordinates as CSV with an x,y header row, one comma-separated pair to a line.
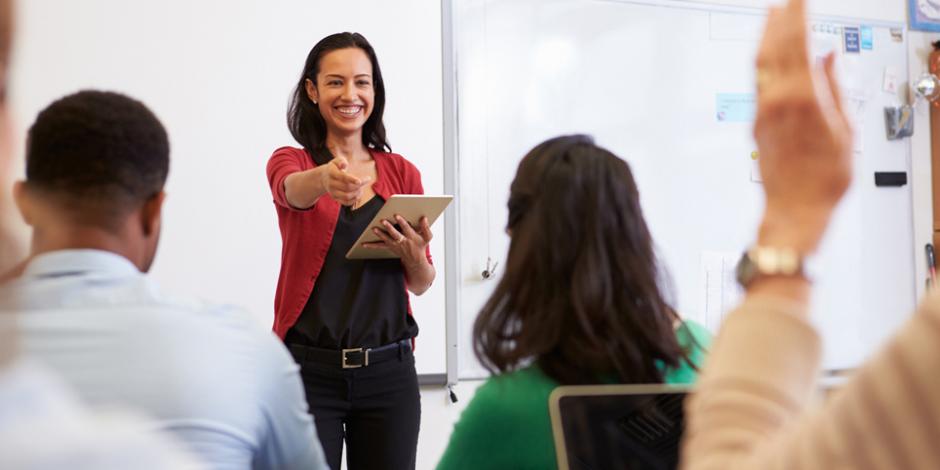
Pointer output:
x,y
720,291
867,36
850,36
735,107
890,82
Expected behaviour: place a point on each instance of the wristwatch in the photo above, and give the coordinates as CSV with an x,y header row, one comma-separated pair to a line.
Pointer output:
x,y
761,261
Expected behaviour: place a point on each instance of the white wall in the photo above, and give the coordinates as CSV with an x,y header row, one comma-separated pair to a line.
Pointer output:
x,y
438,416
219,73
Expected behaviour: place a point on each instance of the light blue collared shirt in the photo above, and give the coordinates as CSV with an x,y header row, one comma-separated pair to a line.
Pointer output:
x,y
210,374
43,426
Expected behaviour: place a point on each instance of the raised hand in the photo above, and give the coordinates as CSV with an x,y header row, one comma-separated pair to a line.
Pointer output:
x,y
802,132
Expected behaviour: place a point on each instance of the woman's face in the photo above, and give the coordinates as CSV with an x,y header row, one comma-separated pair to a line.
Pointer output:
x,y
344,92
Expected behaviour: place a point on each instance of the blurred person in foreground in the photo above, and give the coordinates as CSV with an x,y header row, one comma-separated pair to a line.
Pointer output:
x,y
42,424
96,164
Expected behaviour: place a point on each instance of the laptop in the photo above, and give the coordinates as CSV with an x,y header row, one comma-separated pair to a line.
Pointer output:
x,y
618,426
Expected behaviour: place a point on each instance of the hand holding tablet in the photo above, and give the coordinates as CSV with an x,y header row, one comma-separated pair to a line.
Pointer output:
x,y
403,223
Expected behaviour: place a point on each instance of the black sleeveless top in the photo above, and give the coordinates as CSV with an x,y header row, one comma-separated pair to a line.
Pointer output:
x,y
355,303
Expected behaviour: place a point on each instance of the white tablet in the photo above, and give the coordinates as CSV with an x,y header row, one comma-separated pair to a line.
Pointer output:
x,y
410,206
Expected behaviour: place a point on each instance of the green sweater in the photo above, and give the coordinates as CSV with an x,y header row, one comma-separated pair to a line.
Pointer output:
x,y
506,424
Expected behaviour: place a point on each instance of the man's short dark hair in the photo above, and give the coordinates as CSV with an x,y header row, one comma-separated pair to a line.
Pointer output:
x,y
98,153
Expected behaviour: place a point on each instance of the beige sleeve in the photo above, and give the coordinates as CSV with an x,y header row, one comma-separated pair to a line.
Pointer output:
x,y
750,407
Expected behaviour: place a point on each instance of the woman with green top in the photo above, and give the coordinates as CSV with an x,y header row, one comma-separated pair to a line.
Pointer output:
x,y
578,303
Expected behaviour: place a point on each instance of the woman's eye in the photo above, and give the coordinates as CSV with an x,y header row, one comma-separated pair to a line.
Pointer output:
x,y
363,83
334,82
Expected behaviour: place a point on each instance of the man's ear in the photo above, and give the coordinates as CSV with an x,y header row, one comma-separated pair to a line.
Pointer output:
x,y
151,214
312,92
22,200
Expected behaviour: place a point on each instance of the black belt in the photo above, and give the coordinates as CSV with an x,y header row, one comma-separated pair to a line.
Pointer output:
x,y
351,358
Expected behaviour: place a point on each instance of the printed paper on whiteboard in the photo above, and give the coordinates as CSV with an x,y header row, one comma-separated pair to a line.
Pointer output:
x,y
735,107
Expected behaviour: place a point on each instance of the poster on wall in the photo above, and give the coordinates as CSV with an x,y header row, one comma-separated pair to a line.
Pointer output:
x,y
925,15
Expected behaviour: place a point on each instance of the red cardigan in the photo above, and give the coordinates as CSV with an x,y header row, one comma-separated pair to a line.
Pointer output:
x,y
306,234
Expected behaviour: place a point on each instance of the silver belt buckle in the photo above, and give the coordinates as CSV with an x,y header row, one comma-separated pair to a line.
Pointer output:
x,y
365,361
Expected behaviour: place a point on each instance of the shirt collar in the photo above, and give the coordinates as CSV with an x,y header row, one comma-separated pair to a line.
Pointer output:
x,y
78,262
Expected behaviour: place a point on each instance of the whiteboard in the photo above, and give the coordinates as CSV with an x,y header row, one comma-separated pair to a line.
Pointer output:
x,y
660,83
219,75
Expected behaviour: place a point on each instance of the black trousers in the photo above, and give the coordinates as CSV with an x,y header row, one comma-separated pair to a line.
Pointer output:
x,y
377,409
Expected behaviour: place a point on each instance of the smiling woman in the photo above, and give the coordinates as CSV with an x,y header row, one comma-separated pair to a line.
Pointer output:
x,y
348,323
348,96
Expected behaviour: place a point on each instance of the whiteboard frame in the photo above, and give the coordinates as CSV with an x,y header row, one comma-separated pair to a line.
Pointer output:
x,y
451,186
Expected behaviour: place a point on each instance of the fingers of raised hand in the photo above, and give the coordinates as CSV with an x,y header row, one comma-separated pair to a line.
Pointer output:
x,y
765,51
784,46
832,91
785,101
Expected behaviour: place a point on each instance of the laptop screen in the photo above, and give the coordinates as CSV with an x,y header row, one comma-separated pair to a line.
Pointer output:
x,y
618,426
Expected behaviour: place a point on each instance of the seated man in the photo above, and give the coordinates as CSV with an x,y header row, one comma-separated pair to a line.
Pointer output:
x,y
96,163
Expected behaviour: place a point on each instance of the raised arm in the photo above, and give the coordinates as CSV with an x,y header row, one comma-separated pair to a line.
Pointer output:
x,y
748,411
304,188
763,364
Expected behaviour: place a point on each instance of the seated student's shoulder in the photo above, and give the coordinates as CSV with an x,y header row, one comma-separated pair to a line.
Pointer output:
x,y
225,329
695,340
247,330
515,391
505,425
692,334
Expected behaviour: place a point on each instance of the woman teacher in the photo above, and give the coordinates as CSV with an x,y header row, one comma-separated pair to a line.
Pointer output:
x,y
348,323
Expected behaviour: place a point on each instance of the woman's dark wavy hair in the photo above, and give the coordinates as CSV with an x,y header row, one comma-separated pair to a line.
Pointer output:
x,y
303,117
579,294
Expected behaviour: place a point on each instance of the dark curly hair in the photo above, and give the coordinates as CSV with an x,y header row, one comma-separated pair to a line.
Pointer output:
x,y
100,154
579,294
303,118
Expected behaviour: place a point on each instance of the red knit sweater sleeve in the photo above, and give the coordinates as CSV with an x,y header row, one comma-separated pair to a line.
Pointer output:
x,y
284,162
